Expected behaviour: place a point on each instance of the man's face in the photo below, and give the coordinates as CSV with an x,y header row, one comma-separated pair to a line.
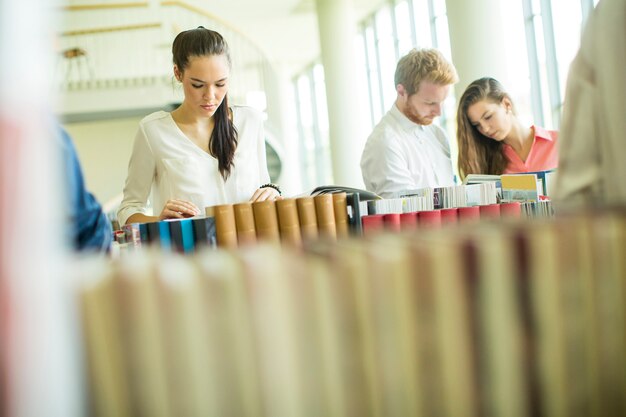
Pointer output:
x,y
425,104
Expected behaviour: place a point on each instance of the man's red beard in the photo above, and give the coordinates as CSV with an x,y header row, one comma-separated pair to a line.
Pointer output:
x,y
416,118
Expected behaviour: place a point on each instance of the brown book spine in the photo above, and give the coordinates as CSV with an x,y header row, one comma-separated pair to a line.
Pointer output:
x,y
288,221
340,208
225,226
307,217
244,220
325,215
266,220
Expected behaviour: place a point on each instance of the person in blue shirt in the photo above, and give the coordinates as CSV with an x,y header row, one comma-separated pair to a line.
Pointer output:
x,y
88,227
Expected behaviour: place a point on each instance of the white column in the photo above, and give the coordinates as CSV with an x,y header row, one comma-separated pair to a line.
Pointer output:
x,y
478,38
282,122
337,27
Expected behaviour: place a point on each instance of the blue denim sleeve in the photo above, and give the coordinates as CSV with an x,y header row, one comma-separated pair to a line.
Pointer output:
x,y
89,228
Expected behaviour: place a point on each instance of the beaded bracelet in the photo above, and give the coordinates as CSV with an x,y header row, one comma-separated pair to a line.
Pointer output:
x,y
274,186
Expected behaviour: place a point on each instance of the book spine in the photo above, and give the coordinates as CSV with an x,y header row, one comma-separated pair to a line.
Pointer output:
x,y
491,211
449,216
225,226
431,218
204,233
408,221
266,220
244,220
288,221
353,201
325,216
373,223
340,208
307,217
392,221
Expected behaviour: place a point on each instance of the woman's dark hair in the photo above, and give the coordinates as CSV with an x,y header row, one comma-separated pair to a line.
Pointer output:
x,y
479,154
202,42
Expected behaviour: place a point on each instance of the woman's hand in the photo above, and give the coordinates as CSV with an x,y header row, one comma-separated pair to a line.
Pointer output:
x,y
265,193
178,209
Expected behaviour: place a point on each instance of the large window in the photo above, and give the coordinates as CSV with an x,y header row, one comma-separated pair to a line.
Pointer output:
x,y
313,127
553,30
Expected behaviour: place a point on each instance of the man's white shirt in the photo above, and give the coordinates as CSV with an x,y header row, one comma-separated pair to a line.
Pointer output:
x,y
402,155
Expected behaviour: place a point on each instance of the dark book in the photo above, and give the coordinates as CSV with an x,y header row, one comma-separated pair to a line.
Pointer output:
x,y
353,202
159,234
181,231
204,232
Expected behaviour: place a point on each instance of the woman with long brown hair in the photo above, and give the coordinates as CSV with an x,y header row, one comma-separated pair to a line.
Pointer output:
x,y
492,139
204,152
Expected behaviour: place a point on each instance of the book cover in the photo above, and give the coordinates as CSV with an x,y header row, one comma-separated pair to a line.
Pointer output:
x,y
520,187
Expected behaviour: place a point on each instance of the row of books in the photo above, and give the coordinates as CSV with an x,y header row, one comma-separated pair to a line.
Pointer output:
x,y
290,220
294,221
528,186
515,319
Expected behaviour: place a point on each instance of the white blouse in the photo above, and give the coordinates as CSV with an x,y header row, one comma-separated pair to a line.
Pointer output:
x,y
401,155
165,165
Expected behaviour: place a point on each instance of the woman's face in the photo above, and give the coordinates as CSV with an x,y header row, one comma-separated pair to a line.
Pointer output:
x,y
491,119
205,83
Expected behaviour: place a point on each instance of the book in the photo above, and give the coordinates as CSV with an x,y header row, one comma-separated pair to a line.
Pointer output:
x,y
353,202
244,222
307,217
138,312
103,342
340,209
225,225
325,214
159,234
204,232
181,232
232,351
288,221
266,220
431,218
185,338
520,187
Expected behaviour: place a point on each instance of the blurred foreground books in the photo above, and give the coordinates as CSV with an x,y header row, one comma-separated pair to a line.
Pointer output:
x,y
508,319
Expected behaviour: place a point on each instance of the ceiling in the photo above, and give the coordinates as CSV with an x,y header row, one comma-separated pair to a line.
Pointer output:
x,y
286,30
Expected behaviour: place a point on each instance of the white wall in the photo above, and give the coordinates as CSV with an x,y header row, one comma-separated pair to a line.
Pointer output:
x,y
104,148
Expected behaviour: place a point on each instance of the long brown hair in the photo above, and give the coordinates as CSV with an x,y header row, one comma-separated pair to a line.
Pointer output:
x,y
201,42
479,154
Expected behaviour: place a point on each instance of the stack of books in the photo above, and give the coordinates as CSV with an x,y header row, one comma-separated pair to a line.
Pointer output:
x,y
514,319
